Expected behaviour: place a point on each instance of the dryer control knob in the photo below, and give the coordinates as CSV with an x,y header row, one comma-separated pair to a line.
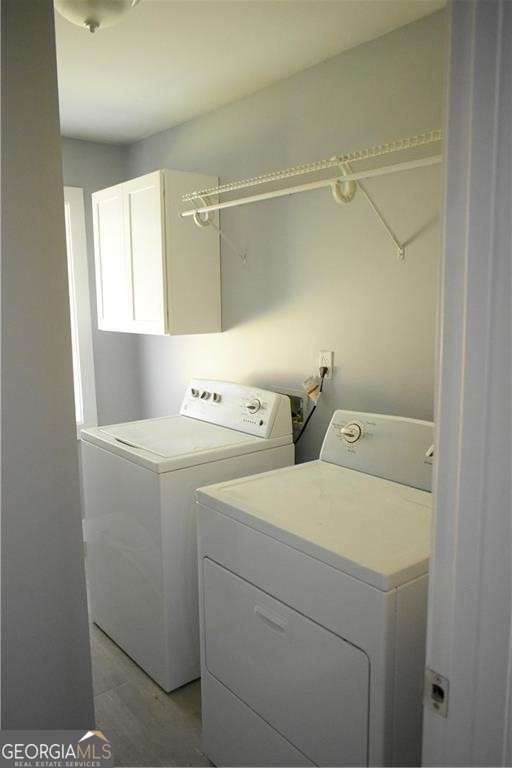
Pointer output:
x,y
253,406
351,433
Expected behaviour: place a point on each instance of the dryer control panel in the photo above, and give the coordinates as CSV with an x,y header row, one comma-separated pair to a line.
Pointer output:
x,y
247,409
391,447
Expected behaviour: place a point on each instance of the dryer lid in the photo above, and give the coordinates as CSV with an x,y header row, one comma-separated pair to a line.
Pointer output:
x,y
373,529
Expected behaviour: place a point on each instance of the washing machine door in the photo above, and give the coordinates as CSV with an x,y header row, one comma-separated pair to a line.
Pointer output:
x,y
309,684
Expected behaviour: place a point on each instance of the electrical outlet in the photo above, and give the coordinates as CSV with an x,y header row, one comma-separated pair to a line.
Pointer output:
x,y
326,359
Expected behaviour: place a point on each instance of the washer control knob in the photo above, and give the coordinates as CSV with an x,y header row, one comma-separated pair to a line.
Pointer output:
x,y
194,392
216,397
352,432
205,395
253,406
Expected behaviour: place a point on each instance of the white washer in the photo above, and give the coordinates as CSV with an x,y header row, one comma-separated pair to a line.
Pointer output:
x,y
313,587
139,481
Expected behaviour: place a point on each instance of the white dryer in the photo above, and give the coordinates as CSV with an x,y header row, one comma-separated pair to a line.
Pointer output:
x,y
139,481
313,588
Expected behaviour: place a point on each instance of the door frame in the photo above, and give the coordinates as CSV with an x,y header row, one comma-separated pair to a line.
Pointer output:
x,y
469,621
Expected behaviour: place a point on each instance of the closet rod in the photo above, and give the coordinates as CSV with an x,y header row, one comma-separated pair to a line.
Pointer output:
x,y
369,153
368,174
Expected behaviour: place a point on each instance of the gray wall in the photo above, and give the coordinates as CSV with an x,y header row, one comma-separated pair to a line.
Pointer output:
x,y
46,672
319,275
94,166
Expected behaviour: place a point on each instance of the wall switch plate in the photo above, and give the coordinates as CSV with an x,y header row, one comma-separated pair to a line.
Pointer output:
x,y
326,359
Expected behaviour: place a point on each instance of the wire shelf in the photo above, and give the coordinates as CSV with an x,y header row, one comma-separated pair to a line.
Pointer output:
x,y
378,150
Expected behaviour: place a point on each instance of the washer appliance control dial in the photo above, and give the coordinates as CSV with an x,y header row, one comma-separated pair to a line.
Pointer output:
x,y
253,406
352,432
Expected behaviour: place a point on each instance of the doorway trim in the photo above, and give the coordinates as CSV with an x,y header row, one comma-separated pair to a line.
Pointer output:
x,y
469,622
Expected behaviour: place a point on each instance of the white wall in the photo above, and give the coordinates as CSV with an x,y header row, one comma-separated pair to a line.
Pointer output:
x,y
94,166
46,673
319,276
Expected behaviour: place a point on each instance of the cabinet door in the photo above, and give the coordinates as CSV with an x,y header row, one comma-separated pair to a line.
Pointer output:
x,y
113,278
145,243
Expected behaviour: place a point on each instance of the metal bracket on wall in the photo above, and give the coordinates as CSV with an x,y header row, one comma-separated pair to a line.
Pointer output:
x,y
241,254
342,193
205,219
400,247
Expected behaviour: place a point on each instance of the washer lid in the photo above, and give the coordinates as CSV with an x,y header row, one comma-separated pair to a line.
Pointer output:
x,y
174,442
373,529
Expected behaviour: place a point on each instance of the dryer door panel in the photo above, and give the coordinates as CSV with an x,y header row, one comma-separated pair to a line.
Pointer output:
x,y
305,681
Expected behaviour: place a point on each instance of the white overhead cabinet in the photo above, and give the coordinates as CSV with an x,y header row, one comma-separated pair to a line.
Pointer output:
x,y
155,272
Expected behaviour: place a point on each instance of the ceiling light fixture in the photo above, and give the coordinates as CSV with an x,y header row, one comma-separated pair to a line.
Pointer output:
x,y
94,14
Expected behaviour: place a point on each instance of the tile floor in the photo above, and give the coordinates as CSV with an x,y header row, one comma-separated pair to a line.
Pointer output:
x,y
146,726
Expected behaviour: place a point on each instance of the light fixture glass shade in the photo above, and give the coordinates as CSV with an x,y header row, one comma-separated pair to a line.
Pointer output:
x,y
94,14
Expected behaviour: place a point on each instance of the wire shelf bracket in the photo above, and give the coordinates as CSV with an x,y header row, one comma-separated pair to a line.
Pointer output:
x,y
346,168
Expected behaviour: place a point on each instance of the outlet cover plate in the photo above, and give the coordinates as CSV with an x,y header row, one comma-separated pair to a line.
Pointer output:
x,y
326,358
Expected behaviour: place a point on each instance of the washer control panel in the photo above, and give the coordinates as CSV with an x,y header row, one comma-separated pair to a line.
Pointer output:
x,y
246,409
392,447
